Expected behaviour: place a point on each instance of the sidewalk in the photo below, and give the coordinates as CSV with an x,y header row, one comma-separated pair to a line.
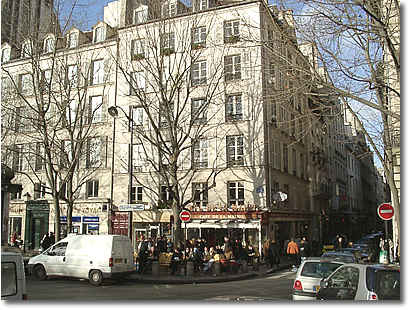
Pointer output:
x,y
167,278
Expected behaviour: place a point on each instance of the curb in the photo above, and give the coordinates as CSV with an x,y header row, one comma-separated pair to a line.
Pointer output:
x,y
215,279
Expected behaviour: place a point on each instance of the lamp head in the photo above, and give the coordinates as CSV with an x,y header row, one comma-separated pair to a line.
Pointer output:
x,y
113,111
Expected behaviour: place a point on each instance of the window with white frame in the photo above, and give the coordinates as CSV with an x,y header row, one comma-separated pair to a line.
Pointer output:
x,y
198,37
169,9
137,82
47,76
73,39
199,110
168,43
140,15
234,151
137,49
71,112
92,188
200,154
26,85
39,190
200,194
236,193
138,157
234,110
94,147
97,72
136,194
99,34
48,45
232,67
5,54
67,155
199,73
26,50
166,194
39,164
96,109
231,31
137,116
72,75
18,158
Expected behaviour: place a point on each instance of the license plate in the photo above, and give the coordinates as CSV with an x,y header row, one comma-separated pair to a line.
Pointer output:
x,y
117,260
316,288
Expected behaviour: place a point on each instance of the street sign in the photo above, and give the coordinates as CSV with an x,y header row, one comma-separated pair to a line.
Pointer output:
x,y
385,211
185,216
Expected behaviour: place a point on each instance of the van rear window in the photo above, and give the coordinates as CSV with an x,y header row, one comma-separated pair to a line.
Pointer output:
x,y
8,279
318,269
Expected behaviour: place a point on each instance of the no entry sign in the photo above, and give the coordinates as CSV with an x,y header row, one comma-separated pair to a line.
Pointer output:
x,y
385,211
185,216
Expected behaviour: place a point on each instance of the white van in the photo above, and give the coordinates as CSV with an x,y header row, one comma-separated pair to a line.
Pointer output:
x,y
92,257
13,279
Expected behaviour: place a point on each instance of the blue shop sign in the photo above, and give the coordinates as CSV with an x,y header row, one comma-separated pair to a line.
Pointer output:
x,y
91,219
74,219
93,226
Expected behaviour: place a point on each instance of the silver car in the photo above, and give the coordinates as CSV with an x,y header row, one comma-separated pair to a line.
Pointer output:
x,y
361,282
308,276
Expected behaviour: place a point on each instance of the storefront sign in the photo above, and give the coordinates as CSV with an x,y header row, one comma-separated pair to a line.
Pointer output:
x,y
136,207
74,219
223,215
93,226
38,205
91,219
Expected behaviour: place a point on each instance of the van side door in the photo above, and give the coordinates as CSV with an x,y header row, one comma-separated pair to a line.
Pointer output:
x,y
56,259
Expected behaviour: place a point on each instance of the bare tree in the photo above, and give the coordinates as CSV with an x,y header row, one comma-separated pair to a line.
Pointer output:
x,y
48,131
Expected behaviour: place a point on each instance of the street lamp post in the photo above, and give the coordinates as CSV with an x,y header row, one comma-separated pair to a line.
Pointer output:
x,y
113,111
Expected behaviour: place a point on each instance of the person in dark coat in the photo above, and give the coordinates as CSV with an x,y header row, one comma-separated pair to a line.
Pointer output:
x,y
175,261
52,238
45,242
304,248
273,254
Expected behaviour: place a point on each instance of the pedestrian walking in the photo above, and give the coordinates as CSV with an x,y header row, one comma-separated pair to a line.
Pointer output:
x,y
304,248
293,251
45,242
52,238
273,254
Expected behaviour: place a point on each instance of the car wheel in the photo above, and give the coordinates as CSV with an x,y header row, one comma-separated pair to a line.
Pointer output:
x,y
95,277
39,272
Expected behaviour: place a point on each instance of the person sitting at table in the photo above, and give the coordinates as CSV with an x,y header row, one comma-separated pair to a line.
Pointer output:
x,y
211,260
175,261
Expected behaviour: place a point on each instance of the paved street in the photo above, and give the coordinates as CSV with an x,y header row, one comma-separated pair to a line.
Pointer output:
x,y
275,287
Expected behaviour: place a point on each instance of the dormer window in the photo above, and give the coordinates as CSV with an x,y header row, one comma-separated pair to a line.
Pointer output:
x,y
99,34
200,5
26,50
140,15
48,45
5,54
73,40
169,9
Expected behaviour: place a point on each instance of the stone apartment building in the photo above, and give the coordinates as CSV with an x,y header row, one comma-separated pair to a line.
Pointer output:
x,y
214,92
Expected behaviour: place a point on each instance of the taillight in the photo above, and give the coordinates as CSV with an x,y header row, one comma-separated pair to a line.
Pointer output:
x,y
373,296
110,264
25,297
297,285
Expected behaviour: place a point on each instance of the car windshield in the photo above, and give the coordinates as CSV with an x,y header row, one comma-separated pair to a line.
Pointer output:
x,y
318,269
388,284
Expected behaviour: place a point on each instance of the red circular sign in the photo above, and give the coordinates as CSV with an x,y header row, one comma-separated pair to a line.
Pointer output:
x,y
385,211
185,216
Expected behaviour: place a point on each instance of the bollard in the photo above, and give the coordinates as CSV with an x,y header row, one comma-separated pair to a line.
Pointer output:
x,y
155,268
244,266
217,268
189,269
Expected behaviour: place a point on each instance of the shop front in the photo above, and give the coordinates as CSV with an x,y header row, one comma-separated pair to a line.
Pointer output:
x,y
85,225
36,223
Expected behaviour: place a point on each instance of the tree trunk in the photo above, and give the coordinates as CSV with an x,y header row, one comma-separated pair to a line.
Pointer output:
x,y
56,202
178,233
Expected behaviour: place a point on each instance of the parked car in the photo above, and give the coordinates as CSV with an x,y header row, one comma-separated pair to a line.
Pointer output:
x,y
361,254
309,274
344,256
92,257
361,282
13,278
